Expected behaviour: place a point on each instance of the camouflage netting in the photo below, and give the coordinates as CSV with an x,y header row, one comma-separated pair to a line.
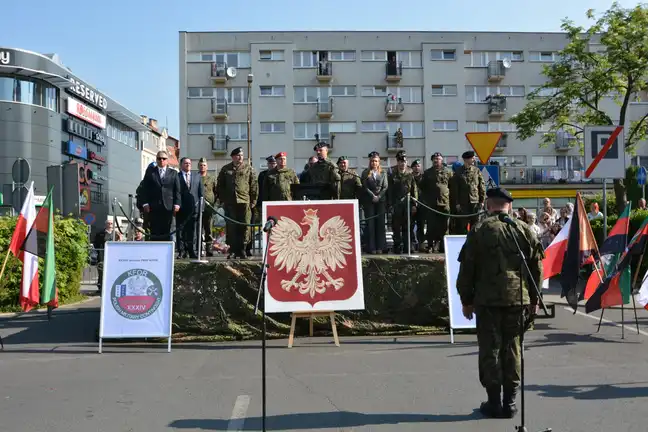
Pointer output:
x,y
403,296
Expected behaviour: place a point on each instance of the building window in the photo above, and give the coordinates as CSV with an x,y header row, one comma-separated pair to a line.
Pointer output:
x,y
408,94
482,58
445,125
308,130
236,131
233,95
443,54
478,94
273,127
410,59
312,94
241,60
277,91
543,56
122,133
410,129
545,92
544,161
304,59
342,55
444,90
490,127
275,55
31,92
373,55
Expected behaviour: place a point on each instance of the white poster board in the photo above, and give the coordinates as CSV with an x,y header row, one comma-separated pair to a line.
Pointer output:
x,y
137,297
453,245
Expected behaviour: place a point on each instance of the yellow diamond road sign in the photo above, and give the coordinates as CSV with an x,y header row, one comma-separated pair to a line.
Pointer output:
x,y
483,143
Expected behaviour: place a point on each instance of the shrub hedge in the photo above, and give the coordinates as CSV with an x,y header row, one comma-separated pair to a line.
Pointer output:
x,y
71,245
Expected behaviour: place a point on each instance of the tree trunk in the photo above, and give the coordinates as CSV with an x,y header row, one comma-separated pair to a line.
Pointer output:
x,y
620,194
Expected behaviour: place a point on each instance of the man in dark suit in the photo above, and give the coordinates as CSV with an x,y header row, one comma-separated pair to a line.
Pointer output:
x,y
161,197
191,190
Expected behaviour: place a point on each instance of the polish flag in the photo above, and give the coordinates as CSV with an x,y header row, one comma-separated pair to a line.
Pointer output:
x,y
555,253
29,291
642,295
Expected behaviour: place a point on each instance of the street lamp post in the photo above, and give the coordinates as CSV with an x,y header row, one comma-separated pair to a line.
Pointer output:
x,y
250,78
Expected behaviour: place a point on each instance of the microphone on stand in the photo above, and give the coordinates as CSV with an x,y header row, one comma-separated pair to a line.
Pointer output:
x,y
503,217
270,223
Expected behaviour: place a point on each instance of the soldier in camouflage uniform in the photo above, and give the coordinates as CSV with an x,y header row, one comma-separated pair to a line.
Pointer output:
x,y
488,285
435,193
400,184
237,189
418,220
468,192
350,184
256,212
276,186
324,174
210,190
400,154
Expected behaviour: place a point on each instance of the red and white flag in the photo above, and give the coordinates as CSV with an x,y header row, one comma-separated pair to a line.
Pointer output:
x,y
555,253
642,295
29,291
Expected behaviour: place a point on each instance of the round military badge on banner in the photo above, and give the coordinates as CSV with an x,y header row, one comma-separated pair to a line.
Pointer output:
x,y
136,294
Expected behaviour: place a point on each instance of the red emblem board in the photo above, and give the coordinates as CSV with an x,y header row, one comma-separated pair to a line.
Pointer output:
x,y
314,258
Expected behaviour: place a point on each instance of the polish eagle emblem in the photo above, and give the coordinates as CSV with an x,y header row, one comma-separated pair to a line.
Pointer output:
x,y
321,251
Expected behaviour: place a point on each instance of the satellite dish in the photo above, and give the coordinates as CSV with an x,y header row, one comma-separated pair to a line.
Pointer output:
x,y
506,63
231,72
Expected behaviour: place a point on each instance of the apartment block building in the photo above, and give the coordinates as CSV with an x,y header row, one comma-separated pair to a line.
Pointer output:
x,y
354,90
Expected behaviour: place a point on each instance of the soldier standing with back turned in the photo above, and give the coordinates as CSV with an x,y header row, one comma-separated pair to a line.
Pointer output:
x,y
489,286
468,192
209,185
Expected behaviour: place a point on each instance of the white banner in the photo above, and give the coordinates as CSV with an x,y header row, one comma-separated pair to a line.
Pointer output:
x,y
137,296
453,245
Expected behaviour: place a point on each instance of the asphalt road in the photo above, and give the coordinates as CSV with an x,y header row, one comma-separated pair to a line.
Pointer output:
x,y
52,379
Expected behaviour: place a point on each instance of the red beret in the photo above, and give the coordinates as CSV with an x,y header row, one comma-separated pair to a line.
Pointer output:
x,y
281,154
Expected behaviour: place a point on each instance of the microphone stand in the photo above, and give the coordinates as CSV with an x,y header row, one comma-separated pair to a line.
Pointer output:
x,y
264,274
522,426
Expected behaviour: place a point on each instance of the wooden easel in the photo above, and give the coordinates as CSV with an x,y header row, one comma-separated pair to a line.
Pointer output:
x,y
310,316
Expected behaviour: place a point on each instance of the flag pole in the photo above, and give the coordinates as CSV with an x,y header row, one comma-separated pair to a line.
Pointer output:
x,y
4,264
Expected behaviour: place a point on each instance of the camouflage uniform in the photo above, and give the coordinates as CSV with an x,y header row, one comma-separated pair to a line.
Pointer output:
x,y
350,185
400,184
489,280
418,219
435,192
210,191
324,173
276,186
238,190
468,192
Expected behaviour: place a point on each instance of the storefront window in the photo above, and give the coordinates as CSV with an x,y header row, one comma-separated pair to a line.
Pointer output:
x,y
32,92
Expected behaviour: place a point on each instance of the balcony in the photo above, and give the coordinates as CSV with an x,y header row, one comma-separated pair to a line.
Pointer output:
x,y
219,109
325,109
496,105
394,108
219,144
219,73
565,141
392,145
502,144
393,71
325,71
511,175
496,71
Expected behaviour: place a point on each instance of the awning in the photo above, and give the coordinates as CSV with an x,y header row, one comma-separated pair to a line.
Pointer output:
x,y
133,123
56,80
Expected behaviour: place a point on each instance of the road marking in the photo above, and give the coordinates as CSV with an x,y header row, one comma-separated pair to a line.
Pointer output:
x,y
616,324
237,419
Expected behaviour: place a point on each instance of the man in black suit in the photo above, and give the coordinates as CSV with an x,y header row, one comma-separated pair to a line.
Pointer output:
x,y
161,197
191,190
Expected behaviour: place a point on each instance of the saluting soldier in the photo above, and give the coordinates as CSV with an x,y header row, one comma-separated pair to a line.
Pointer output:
x,y
435,192
488,284
350,184
418,220
324,173
401,183
468,190
238,190
276,186
210,194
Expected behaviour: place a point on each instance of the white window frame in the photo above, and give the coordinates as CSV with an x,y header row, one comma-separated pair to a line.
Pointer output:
x,y
446,90
491,90
544,161
407,56
276,91
227,129
445,54
304,64
345,56
321,129
243,58
487,56
392,127
372,89
547,92
272,55
274,127
373,55
536,56
229,94
447,125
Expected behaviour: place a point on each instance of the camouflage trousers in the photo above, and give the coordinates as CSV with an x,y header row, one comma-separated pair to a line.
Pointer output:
x,y
498,337
463,222
437,225
237,235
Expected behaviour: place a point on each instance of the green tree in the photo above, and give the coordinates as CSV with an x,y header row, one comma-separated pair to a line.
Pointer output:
x,y
610,59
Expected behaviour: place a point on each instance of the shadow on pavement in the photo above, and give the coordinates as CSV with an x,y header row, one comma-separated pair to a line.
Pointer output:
x,y
591,392
68,327
323,420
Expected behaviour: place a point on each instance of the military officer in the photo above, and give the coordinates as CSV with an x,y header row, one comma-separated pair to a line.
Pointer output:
x,y
276,186
400,154
435,192
350,184
237,189
324,173
488,285
418,220
469,192
256,212
210,191
400,184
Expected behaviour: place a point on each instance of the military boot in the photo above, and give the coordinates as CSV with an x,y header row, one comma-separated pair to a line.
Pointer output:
x,y
493,407
509,409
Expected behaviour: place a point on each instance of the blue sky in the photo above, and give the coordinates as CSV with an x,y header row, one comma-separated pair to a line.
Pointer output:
x,y
129,49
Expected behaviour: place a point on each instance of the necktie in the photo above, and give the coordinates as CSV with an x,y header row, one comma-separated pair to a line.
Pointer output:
x,y
161,172
187,180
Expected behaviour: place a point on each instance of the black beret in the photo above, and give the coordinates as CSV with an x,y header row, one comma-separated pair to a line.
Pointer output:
x,y
319,145
401,157
202,160
467,155
373,154
236,151
499,193
342,158
401,153
271,158
416,162
435,155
